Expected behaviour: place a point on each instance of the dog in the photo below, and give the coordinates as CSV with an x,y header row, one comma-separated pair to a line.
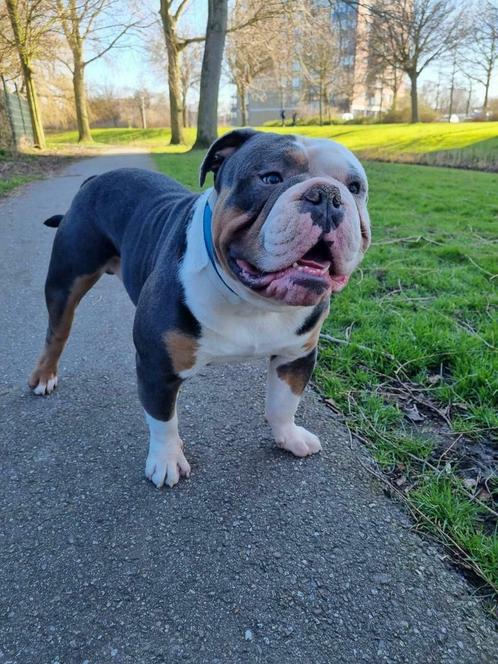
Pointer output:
x,y
244,270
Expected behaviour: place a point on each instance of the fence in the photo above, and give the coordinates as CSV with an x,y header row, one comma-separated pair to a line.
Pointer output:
x,y
15,121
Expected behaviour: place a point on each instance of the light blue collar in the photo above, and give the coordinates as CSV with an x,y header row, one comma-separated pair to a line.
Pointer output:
x,y
208,242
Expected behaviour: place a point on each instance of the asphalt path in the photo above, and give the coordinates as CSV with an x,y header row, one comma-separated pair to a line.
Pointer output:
x,y
258,557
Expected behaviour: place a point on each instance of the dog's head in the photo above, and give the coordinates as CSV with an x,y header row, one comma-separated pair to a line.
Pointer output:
x,y
290,221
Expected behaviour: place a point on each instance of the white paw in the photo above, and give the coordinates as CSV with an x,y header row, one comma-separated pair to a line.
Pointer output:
x,y
297,440
165,464
45,386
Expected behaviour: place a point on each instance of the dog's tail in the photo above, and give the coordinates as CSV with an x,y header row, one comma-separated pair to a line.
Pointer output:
x,y
54,221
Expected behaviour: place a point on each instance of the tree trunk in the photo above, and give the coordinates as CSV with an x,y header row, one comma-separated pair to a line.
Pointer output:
x,y
172,47
452,89
469,99
80,101
450,107
184,111
395,90
438,91
207,118
243,105
29,83
143,114
486,91
489,73
414,96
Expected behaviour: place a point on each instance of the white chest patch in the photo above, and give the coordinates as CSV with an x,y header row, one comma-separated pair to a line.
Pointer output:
x,y
235,325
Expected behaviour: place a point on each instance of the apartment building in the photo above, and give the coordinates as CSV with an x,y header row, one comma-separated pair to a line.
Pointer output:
x,y
361,91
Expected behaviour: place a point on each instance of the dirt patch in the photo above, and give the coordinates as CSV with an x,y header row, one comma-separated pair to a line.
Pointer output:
x,y
31,166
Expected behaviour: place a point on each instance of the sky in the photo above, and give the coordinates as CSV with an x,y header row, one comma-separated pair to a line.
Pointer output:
x,y
128,68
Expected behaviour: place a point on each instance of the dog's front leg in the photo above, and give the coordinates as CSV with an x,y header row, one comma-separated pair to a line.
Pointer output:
x,y
286,383
158,394
165,460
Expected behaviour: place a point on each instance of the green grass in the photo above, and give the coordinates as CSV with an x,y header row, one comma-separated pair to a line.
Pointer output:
x,y
10,183
120,136
425,298
445,508
466,145
419,323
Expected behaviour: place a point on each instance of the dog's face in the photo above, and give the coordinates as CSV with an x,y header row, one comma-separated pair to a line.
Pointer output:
x,y
290,222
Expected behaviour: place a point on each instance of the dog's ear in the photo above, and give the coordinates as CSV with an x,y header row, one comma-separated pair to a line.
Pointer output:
x,y
221,149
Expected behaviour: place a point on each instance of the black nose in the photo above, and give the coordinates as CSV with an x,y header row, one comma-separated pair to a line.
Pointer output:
x,y
325,205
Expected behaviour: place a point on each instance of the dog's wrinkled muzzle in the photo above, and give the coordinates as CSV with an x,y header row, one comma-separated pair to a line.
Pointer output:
x,y
307,246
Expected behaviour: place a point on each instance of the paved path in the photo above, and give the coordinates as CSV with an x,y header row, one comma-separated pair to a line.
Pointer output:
x,y
259,557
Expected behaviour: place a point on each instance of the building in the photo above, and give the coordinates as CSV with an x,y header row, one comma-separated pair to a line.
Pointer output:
x,y
356,90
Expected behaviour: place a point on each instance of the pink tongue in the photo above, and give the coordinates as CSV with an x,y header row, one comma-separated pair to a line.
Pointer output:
x,y
304,263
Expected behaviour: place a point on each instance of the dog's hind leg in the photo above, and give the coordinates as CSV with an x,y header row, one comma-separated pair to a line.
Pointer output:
x,y
73,270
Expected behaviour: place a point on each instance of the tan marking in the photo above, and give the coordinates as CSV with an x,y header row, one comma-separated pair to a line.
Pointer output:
x,y
312,340
59,330
226,222
182,349
296,380
297,372
298,154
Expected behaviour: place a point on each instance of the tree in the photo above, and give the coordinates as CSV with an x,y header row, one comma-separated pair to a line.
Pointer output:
x,y
92,21
190,74
142,99
175,44
410,34
248,53
483,52
30,27
188,63
207,116
259,10
320,55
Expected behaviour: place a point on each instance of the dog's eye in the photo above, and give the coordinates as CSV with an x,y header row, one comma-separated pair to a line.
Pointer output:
x,y
354,187
271,178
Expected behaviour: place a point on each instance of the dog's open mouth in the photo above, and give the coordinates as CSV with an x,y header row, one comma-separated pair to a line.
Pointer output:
x,y
304,282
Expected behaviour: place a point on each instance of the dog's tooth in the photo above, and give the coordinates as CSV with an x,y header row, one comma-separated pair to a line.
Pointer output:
x,y
295,265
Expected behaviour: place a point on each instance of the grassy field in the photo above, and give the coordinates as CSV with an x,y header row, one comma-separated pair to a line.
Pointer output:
x,y
411,356
465,145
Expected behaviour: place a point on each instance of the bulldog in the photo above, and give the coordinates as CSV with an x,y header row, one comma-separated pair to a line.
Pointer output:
x,y
244,270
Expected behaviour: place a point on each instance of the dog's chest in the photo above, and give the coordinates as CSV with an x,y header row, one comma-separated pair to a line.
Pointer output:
x,y
258,335
238,338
